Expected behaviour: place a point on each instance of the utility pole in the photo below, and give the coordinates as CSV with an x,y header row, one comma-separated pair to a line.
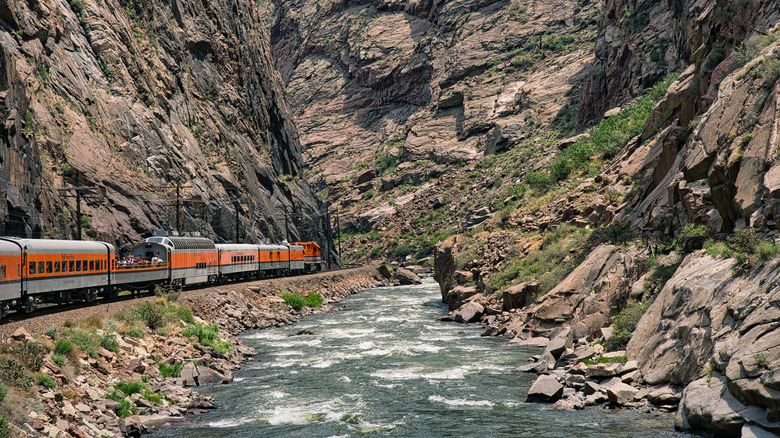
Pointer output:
x,y
238,213
338,231
328,236
286,228
79,193
178,208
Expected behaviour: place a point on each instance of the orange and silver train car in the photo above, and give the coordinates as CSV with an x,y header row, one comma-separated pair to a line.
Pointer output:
x,y
188,260
312,256
238,260
42,270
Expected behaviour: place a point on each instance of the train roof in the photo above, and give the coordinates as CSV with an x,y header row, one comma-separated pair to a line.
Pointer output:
x,y
237,247
61,246
265,247
178,242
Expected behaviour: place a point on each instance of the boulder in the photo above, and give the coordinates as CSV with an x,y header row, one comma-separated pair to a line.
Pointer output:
x,y
190,374
755,431
546,389
602,370
530,342
21,334
520,295
137,425
698,403
664,396
208,376
468,312
407,277
621,394
464,277
560,343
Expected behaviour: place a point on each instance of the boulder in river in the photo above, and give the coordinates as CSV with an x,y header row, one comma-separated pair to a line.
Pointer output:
x,y
468,312
546,389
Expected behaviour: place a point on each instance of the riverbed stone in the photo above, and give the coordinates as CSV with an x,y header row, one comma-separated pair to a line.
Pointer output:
x,y
469,312
546,389
621,393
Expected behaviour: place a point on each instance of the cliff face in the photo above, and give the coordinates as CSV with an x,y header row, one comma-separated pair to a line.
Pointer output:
x,y
134,97
389,94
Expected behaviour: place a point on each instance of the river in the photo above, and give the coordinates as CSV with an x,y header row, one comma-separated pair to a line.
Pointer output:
x,y
384,366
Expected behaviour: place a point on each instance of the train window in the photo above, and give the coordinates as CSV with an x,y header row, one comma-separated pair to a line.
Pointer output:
x,y
78,265
48,267
41,267
65,266
2,272
71,265
32,268
91,265
56,267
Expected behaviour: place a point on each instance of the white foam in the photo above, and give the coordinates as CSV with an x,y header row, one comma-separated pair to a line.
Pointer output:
x,y
459,402
277,394
229,422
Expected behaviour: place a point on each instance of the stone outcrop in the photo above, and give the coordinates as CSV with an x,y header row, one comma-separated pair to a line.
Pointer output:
x,y
130,100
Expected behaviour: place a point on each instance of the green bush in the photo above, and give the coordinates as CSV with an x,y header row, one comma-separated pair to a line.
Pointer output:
x,y
47,381
131,387
109,342
169,370
313,299
207,336
58,359
30,354
89,342
127,409
3,391
295,301
625,323
136,333
692,230
52,332
151,313
5,428
744,241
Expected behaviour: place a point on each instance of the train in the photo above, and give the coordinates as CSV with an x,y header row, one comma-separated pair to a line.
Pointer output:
x,y
45,271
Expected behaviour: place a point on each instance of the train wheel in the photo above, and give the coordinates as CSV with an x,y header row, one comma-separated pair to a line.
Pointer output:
x,y
90,296
29,305
64,298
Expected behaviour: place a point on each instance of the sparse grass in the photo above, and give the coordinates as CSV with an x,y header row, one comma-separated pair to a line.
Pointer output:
x,y
47,381
601,359
169,370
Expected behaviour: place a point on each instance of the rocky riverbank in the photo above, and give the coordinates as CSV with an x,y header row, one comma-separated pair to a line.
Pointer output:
x,y
705,340
129,373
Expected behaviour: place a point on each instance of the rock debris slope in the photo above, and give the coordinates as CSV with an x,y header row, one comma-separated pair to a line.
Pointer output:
x,y
135,97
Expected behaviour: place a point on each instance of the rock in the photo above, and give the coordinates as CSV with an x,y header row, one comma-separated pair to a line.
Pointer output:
x,y
407,277
463,277
189,373
208,376
560,343
530,342
21,334
519,295
664,396
755,431
571,403
303,332
699,401
591,387
469,312
137,425
621,394
546,389
602,370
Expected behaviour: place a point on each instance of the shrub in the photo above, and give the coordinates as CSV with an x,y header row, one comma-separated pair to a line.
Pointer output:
x,y
47,381
151,313
131,387
169,370
86,341
691,230
597,360
30,354
169,292
767,250
52,332
5,428
109,342
136,333
15,373
313,299
744,241
183,313
58,359
207,335
625,323
127,409
3,391
295,301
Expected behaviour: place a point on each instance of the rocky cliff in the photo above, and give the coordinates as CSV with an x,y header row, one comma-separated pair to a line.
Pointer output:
x,y
133,98
396,97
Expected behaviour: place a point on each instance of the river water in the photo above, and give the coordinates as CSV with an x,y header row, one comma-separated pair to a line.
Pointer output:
x,y
384,366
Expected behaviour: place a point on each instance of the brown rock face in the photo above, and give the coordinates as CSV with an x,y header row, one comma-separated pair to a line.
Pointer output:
x,y
131,99
381,85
